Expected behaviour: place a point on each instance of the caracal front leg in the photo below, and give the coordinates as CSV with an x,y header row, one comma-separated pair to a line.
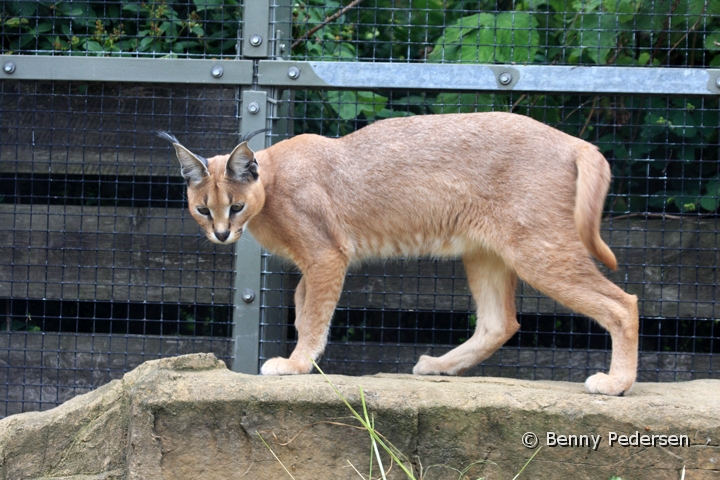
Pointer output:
x,y
492,284
299,300
315,301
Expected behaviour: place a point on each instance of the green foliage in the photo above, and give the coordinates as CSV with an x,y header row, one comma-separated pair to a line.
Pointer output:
x,y
120,28
506,37
589,32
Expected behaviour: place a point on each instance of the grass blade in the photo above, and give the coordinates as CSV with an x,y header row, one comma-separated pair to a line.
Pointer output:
x,y
527,463
273,454
366,425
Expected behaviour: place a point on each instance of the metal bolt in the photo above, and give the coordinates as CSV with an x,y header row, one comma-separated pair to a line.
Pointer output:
x,y
717,82
505,78
9,67
253,107
248,295
217,71
294,73
256,40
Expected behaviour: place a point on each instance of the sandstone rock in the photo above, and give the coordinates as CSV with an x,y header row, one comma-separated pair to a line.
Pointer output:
x,y
190,418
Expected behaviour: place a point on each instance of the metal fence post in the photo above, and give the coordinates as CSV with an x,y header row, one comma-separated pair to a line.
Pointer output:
x,y
248,256
256,23
266,35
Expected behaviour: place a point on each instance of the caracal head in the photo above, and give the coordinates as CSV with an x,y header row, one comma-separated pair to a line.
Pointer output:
x,y
224,192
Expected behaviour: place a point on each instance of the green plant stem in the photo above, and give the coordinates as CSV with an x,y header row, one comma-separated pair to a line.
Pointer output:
x,y
527,463
273,454
365,424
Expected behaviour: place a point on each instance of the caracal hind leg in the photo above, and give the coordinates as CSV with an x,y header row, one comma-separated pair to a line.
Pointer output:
x,y
575,282
319,290
492,284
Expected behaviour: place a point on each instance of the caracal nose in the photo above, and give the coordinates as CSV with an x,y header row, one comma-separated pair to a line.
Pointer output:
x,y
222,236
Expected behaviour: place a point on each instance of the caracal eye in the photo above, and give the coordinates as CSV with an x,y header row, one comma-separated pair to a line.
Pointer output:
x,y
237,207
203,210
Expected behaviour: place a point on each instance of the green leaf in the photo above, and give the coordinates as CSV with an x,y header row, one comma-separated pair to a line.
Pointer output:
x,y
180,47
43,27
69,10
682,123
712,187
686,154
559,5
346,51
687,13
712,42
685,201
586,6
485,38
344,104
15,22
350,105
164,26
598,36
643,58
412,100
710,119
710,203
387,113
24,9
126,45
370,103
207,4
93,46
625,9
654,125
517,39
533,5
466,102
145,44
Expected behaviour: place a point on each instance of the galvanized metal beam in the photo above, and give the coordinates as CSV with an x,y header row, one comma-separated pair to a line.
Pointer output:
x,y
248,255
283,73
118,69
519,78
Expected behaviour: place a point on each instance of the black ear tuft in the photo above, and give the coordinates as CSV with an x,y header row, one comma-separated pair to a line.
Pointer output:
x,y
165,135
193,167
250,135
241,164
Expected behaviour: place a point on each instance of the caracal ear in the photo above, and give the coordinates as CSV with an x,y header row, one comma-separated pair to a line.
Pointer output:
x,y
193,168
241,164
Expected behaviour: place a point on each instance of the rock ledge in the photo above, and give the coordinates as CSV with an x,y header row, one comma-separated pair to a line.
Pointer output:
x,y
189,417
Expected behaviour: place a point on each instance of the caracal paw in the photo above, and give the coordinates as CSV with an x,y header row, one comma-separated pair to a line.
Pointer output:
x,y
285,366
606,385
428,365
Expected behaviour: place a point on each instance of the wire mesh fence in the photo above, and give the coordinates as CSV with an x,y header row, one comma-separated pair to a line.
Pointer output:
x,y
101,268
561,32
